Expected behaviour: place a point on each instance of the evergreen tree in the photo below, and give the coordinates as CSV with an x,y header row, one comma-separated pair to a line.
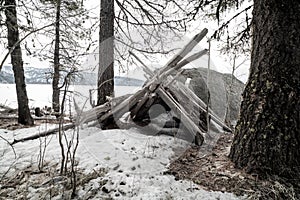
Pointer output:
x,y
24,116
106,51
267,135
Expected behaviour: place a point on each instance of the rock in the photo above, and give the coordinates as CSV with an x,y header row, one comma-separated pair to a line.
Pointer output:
x,y
37,112
224,90
122,183
197,83
105,190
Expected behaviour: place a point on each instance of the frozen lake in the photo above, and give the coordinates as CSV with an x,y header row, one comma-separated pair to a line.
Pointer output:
x,y
40,95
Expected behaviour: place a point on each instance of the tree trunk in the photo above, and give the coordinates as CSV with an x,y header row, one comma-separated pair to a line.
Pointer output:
x,y
267,136
106,52
56,76
24,116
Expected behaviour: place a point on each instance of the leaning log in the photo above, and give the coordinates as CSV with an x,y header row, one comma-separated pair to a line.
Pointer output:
x,y
145,68
179,111
201,103
94,113
185,50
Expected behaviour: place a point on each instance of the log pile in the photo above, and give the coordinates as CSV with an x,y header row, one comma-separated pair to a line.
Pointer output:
x,y
160,88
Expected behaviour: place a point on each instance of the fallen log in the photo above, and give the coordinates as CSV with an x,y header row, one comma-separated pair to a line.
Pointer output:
x,y
43,134
35,118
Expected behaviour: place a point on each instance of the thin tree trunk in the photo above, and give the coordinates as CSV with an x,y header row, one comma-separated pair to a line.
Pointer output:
x,y
56,75
106,52
267,136
24,116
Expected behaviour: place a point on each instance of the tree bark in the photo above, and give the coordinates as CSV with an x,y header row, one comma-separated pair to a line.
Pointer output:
x,y
267,135
24,116
56,75
106,52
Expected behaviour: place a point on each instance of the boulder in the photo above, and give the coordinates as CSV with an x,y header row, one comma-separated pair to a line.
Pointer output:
x,y
224,91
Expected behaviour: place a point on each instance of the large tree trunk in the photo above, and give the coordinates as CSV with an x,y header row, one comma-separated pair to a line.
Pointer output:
x,y
24,116
267,136
56,76
106,52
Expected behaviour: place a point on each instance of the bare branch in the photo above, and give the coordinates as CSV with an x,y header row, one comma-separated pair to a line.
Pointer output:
x,y
21,40
228,21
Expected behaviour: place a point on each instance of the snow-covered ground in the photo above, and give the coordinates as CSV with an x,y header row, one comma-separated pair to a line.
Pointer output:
x,y
134,162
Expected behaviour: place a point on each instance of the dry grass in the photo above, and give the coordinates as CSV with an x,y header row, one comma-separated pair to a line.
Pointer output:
x,y
215,172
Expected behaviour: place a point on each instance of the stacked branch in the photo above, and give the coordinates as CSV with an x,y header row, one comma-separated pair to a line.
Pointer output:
x,y
162,87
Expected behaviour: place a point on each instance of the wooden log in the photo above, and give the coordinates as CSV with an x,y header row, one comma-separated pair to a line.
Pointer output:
x,y
141,112
94,113
167,69
125,106
140,104
161,77
191,58
146,97
43,134
35,118
185,50
171,80
190,106
188,123
183,63
8,117
152,84
202,105
145,68
156,79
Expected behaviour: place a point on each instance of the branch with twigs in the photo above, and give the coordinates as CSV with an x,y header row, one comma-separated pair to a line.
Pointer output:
x,y
11,49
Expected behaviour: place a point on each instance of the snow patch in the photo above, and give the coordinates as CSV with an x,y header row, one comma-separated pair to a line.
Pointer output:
x,y
135,163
